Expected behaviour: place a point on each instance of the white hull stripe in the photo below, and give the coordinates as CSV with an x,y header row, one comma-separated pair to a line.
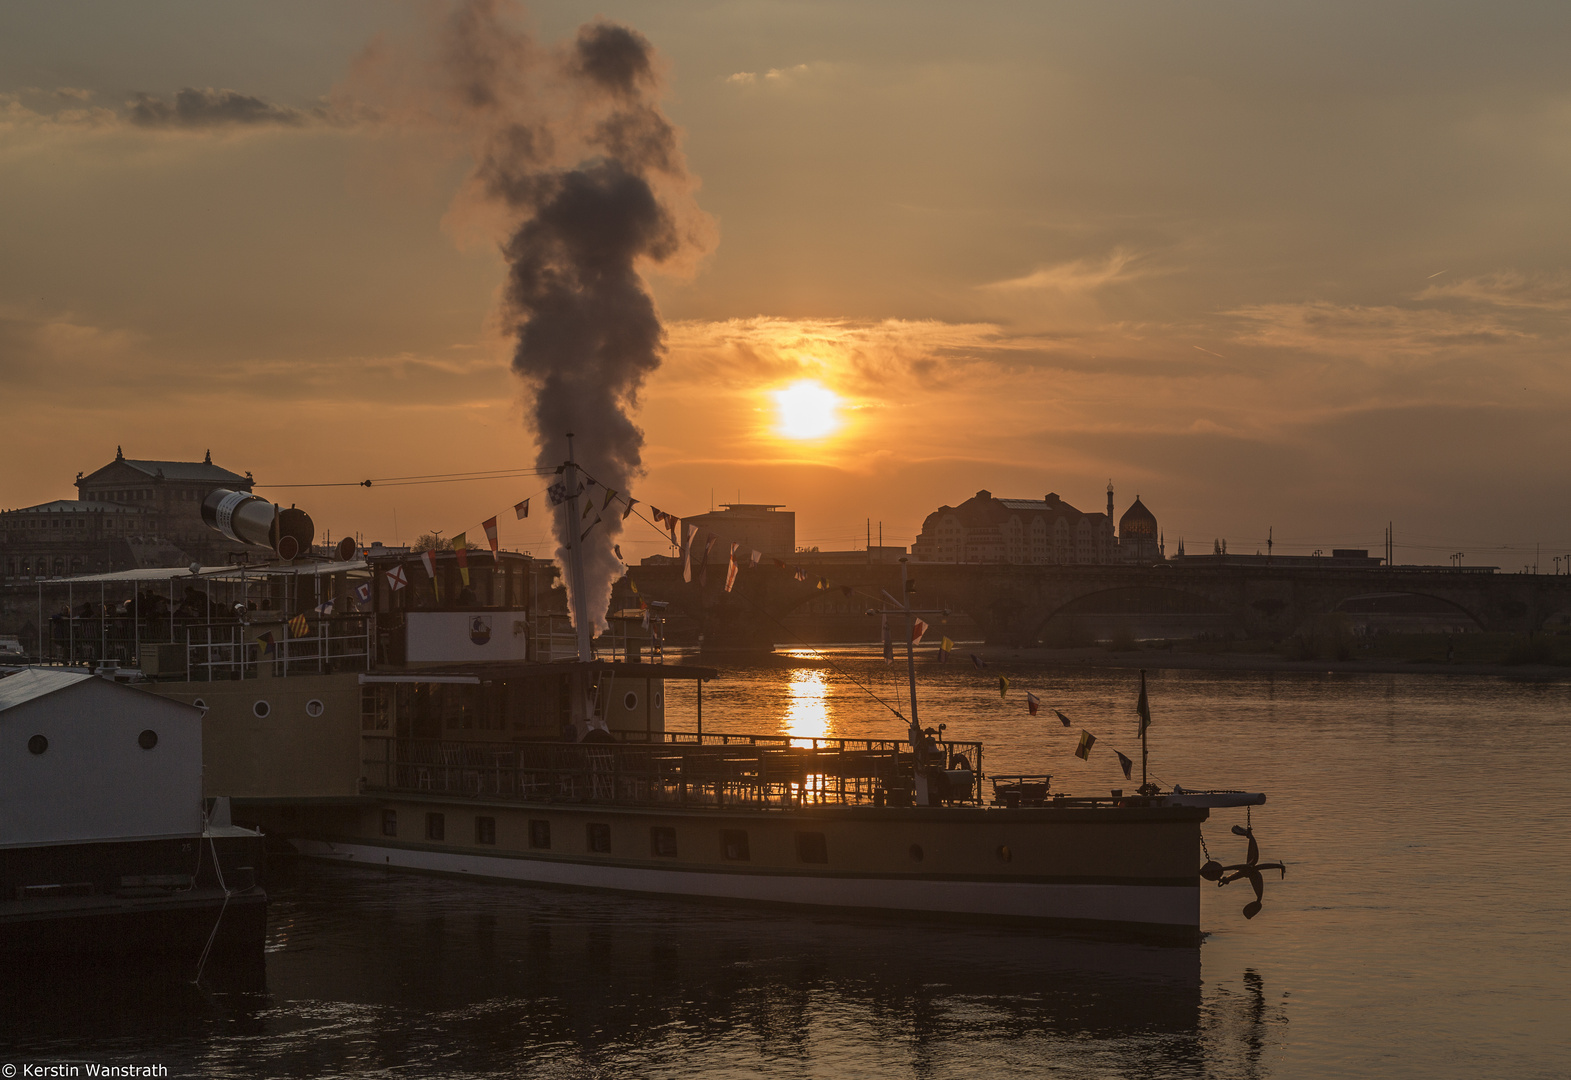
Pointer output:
x,y
1157,905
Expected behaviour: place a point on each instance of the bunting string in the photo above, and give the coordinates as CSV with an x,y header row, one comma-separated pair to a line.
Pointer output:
x,y
684,536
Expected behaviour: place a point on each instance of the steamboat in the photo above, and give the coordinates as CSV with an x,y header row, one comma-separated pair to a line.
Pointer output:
x,y
422,715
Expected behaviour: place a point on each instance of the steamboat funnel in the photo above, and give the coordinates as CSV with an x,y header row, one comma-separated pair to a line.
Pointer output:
x,y
251,519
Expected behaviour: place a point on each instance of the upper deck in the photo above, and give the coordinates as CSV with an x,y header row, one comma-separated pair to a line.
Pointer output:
x,y
316,617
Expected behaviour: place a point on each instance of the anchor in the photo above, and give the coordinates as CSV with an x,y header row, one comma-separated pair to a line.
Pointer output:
x,y
1250,869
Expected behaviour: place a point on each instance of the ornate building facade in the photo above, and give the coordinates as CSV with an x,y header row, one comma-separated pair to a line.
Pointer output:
x,y
129,513
1048,531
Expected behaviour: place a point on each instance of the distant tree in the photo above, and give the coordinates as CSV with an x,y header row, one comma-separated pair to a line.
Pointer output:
x,y
432,542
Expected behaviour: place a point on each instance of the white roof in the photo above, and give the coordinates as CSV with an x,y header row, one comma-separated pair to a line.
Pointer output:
x,y
219,573
34,683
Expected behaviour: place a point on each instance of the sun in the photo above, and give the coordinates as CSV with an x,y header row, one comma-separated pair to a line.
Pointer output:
x,y
807,410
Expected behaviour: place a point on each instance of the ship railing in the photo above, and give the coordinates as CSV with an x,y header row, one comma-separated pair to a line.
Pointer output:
x,y
669,769
623,640
231,650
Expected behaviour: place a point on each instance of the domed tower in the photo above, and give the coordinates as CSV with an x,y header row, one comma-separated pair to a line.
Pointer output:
x,y
1137,534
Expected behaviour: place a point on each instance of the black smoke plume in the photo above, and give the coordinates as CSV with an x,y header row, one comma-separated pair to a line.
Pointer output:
x,y
572,144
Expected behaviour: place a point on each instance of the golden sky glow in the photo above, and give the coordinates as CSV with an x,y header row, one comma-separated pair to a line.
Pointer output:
x,y
1272,267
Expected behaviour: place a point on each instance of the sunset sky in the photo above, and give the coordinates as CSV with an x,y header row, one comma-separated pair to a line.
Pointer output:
x,y
1291,266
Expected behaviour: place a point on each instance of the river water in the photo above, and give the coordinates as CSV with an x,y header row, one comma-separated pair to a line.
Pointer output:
x,y
1420,931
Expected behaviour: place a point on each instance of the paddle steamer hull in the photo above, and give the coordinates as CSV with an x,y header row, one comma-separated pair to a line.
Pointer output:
x,y
1125,869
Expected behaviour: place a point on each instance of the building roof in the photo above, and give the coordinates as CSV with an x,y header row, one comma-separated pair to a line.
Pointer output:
x,y
35,683
184,470
1041,506
1137,521
73,506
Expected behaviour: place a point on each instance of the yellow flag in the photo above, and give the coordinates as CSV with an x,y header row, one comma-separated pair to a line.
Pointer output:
x,y
1087,741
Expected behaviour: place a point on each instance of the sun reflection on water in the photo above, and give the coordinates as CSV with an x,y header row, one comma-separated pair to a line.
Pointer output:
x,y
807,706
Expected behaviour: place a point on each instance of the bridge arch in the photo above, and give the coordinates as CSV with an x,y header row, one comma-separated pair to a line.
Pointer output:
x,y
1141,610
1402,611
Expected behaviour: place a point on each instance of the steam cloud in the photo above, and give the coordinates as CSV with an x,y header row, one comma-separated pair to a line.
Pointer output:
x,y
572,143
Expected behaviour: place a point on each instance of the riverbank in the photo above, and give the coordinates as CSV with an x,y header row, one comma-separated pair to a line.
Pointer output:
x,y
1156,659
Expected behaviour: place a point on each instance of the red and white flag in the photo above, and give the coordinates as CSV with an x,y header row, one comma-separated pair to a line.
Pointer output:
x,y
490,534
396,578
1033,703
730,574
918,628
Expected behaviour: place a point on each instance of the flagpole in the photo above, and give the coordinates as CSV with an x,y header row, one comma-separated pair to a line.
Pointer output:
x,y
1145,722
905,601
575,557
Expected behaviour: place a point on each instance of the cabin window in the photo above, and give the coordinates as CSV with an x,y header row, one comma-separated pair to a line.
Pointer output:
x,y
389,822
37,744
811,847
662,842
261,709
435,827
540,834
733,845
373,708
314,707
630,701
599,837
485,830
148,739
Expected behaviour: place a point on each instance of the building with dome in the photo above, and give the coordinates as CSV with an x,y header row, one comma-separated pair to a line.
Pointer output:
x,y
1138,539
1046,531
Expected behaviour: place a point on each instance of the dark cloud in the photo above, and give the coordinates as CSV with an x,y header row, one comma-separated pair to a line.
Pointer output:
x,y
201,108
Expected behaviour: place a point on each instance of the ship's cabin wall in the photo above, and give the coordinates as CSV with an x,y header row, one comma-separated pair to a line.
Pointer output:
x,y
499,709
275,738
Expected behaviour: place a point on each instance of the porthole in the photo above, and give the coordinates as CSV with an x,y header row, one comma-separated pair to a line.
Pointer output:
x,y
314,707
916,852
200,704
37,744
630,701
1004,854
659,699
261,709
148,739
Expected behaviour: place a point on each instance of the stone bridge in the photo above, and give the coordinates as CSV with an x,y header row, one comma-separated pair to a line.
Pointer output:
x,y
1014,604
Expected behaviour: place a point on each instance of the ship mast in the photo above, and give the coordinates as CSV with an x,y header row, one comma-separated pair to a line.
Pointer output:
x,y
583,693
915,733
575,556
